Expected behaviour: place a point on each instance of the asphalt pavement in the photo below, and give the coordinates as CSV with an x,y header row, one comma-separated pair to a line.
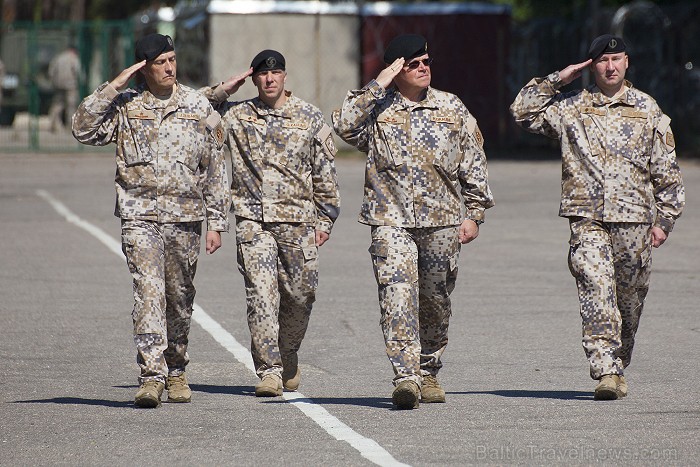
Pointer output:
x,y
518,389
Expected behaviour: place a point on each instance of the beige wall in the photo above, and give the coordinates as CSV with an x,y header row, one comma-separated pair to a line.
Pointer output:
x,y
322,52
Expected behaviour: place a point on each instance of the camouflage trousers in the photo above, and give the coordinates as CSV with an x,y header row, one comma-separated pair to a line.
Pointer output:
x,y
279,264
611,263
162,259
416,271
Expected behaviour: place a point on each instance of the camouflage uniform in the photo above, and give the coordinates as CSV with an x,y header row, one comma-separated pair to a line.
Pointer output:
x,y
619,178
171,175
284,188
64,72
425,173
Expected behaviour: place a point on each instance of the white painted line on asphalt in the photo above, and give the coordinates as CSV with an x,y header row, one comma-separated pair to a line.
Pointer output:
x,y
368,448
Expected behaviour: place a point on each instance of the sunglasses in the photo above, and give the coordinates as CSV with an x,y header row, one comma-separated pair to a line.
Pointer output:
x,y
416,63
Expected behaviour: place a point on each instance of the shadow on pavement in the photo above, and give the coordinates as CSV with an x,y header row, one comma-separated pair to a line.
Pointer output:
x,y
376,402
78,401
212,389
563,395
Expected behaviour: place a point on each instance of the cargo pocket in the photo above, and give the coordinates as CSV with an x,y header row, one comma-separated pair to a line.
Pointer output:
x,y
244,239
129,250
393,265
576,261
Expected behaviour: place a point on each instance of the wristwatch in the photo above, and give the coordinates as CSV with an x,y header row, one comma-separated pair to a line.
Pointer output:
x,y
476,221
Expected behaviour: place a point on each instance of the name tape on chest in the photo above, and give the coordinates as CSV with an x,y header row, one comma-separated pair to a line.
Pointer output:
x,y
633,113
187,116
296,125
443,119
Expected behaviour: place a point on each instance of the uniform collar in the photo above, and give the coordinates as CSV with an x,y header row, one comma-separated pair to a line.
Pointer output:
x,y
627,98
150,101
404,104
262,108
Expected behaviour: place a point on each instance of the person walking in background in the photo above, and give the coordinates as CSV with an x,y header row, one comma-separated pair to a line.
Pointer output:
x,y
426,190
64,73
286,199
622,192
171,175
2,80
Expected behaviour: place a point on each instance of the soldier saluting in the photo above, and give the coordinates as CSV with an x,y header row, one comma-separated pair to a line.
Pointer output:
x,y
171,175
285,196
426,190
621,192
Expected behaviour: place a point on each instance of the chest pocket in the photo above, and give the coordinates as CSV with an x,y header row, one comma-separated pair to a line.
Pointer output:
x,y
636,136
588,134
444,133
255,129
142,128
191,132
295,144
388,141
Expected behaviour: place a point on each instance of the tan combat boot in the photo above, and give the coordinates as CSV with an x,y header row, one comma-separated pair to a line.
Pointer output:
x,y
148,395
621,386
606,389
269,386
291,374
292,384
431,390
178,390
405,395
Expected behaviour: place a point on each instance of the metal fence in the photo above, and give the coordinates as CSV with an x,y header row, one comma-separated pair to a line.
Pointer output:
x,y
26,49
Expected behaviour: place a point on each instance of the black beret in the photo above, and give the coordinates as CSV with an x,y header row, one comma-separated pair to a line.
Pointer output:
x,y
606,44
268,60
152,45
406,46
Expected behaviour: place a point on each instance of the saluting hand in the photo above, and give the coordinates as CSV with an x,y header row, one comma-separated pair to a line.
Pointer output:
x,y
387,75
573,72
124,77
234,83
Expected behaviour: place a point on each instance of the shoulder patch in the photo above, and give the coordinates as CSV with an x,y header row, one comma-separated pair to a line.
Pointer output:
x,y
325,137
665,134
474,130
214,126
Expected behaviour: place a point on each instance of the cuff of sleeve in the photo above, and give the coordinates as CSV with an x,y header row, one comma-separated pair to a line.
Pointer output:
x,y
664,224
324,226
217,225
475,215
554,80
109,92
220,94
376,90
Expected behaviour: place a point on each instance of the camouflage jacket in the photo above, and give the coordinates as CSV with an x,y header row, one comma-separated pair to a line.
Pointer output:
x,y
170,165
283,161
618,157
426,165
